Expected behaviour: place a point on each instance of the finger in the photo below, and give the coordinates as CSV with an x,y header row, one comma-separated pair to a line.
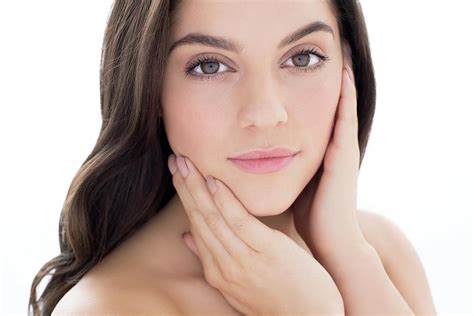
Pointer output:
x,y
190,243
341,162
346,53
217,225
216,281
248,228
205,255
347,110
212,273
345,136
193,210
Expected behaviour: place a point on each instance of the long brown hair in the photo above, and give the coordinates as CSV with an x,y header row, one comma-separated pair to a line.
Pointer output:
x,y
124,181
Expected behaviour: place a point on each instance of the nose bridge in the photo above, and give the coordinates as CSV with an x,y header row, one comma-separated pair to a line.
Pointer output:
x,y
262,104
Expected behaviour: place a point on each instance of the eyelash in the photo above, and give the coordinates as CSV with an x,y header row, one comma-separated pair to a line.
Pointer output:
x,y
189,69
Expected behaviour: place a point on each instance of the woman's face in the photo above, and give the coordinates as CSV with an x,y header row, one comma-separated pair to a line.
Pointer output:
x,y
255,97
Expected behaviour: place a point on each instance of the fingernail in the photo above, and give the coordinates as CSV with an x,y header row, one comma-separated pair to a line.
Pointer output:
x,y
189,164
183,170
349,72
211,184
172,164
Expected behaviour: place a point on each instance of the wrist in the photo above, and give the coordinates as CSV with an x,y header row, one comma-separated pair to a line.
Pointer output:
x,y
348,257
363,282
327,242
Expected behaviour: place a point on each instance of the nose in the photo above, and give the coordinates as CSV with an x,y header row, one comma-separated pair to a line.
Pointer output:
x,y
262,105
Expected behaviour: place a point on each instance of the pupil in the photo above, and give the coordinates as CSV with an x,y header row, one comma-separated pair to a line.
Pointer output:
x,y
209,66
301,60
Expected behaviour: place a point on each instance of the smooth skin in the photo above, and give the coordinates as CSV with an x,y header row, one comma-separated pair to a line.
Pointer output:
x,y
228,114
260,270
331,217
400,261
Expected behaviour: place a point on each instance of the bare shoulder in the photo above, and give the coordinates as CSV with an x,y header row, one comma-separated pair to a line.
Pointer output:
x,y
400,260
378,230
90,297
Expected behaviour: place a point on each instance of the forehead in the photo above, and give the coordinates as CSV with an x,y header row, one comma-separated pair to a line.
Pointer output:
x,y
250,23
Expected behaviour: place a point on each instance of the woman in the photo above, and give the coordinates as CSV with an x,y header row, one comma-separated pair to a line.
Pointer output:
x,y
212,89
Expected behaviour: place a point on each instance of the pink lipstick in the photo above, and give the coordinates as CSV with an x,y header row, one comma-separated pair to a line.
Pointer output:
x,y
264,161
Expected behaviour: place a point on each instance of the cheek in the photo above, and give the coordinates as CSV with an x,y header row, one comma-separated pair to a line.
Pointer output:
x,y
190,118
314,103
190,127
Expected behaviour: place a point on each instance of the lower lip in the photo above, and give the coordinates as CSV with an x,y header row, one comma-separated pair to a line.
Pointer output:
x,y
262,165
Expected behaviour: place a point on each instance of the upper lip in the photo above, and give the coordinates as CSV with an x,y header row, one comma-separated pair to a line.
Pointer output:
x,y
266,153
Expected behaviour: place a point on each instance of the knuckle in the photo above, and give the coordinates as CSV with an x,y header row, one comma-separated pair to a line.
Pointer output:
x,y
192,188
177,181
239,224
231,273
212,276
199,197
213,219
217,198
336,146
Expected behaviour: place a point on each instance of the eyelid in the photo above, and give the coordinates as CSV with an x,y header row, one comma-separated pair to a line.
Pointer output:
x,y
229,63
300,49
211,56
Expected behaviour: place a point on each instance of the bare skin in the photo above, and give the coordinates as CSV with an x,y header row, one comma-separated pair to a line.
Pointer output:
x,y
155,261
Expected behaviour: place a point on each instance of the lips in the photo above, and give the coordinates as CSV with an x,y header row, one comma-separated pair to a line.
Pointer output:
x,y
264,161
265,153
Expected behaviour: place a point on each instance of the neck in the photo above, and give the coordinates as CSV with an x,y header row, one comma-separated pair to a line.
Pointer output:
x,y
282,222
172,221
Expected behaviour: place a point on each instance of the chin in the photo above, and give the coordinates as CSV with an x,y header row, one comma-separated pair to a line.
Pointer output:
x,y
267,204
266,199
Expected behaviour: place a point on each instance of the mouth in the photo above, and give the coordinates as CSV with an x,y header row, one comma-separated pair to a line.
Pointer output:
x,y
275,152
263,165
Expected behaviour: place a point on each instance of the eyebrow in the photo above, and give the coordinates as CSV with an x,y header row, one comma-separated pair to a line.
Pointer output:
x,y
222,43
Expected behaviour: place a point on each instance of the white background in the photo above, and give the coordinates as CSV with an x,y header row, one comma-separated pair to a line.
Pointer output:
x,y
417,170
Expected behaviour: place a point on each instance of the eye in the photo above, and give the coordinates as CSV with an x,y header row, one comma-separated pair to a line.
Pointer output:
x,y
306,63
206,68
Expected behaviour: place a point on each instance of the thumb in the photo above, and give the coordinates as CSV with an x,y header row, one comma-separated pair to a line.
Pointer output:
x,y
190,243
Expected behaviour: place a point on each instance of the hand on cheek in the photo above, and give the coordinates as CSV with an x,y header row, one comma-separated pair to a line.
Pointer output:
x,y
328,218
239,253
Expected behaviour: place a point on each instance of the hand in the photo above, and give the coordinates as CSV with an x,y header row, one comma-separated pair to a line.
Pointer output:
x,y
257,269
325,213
